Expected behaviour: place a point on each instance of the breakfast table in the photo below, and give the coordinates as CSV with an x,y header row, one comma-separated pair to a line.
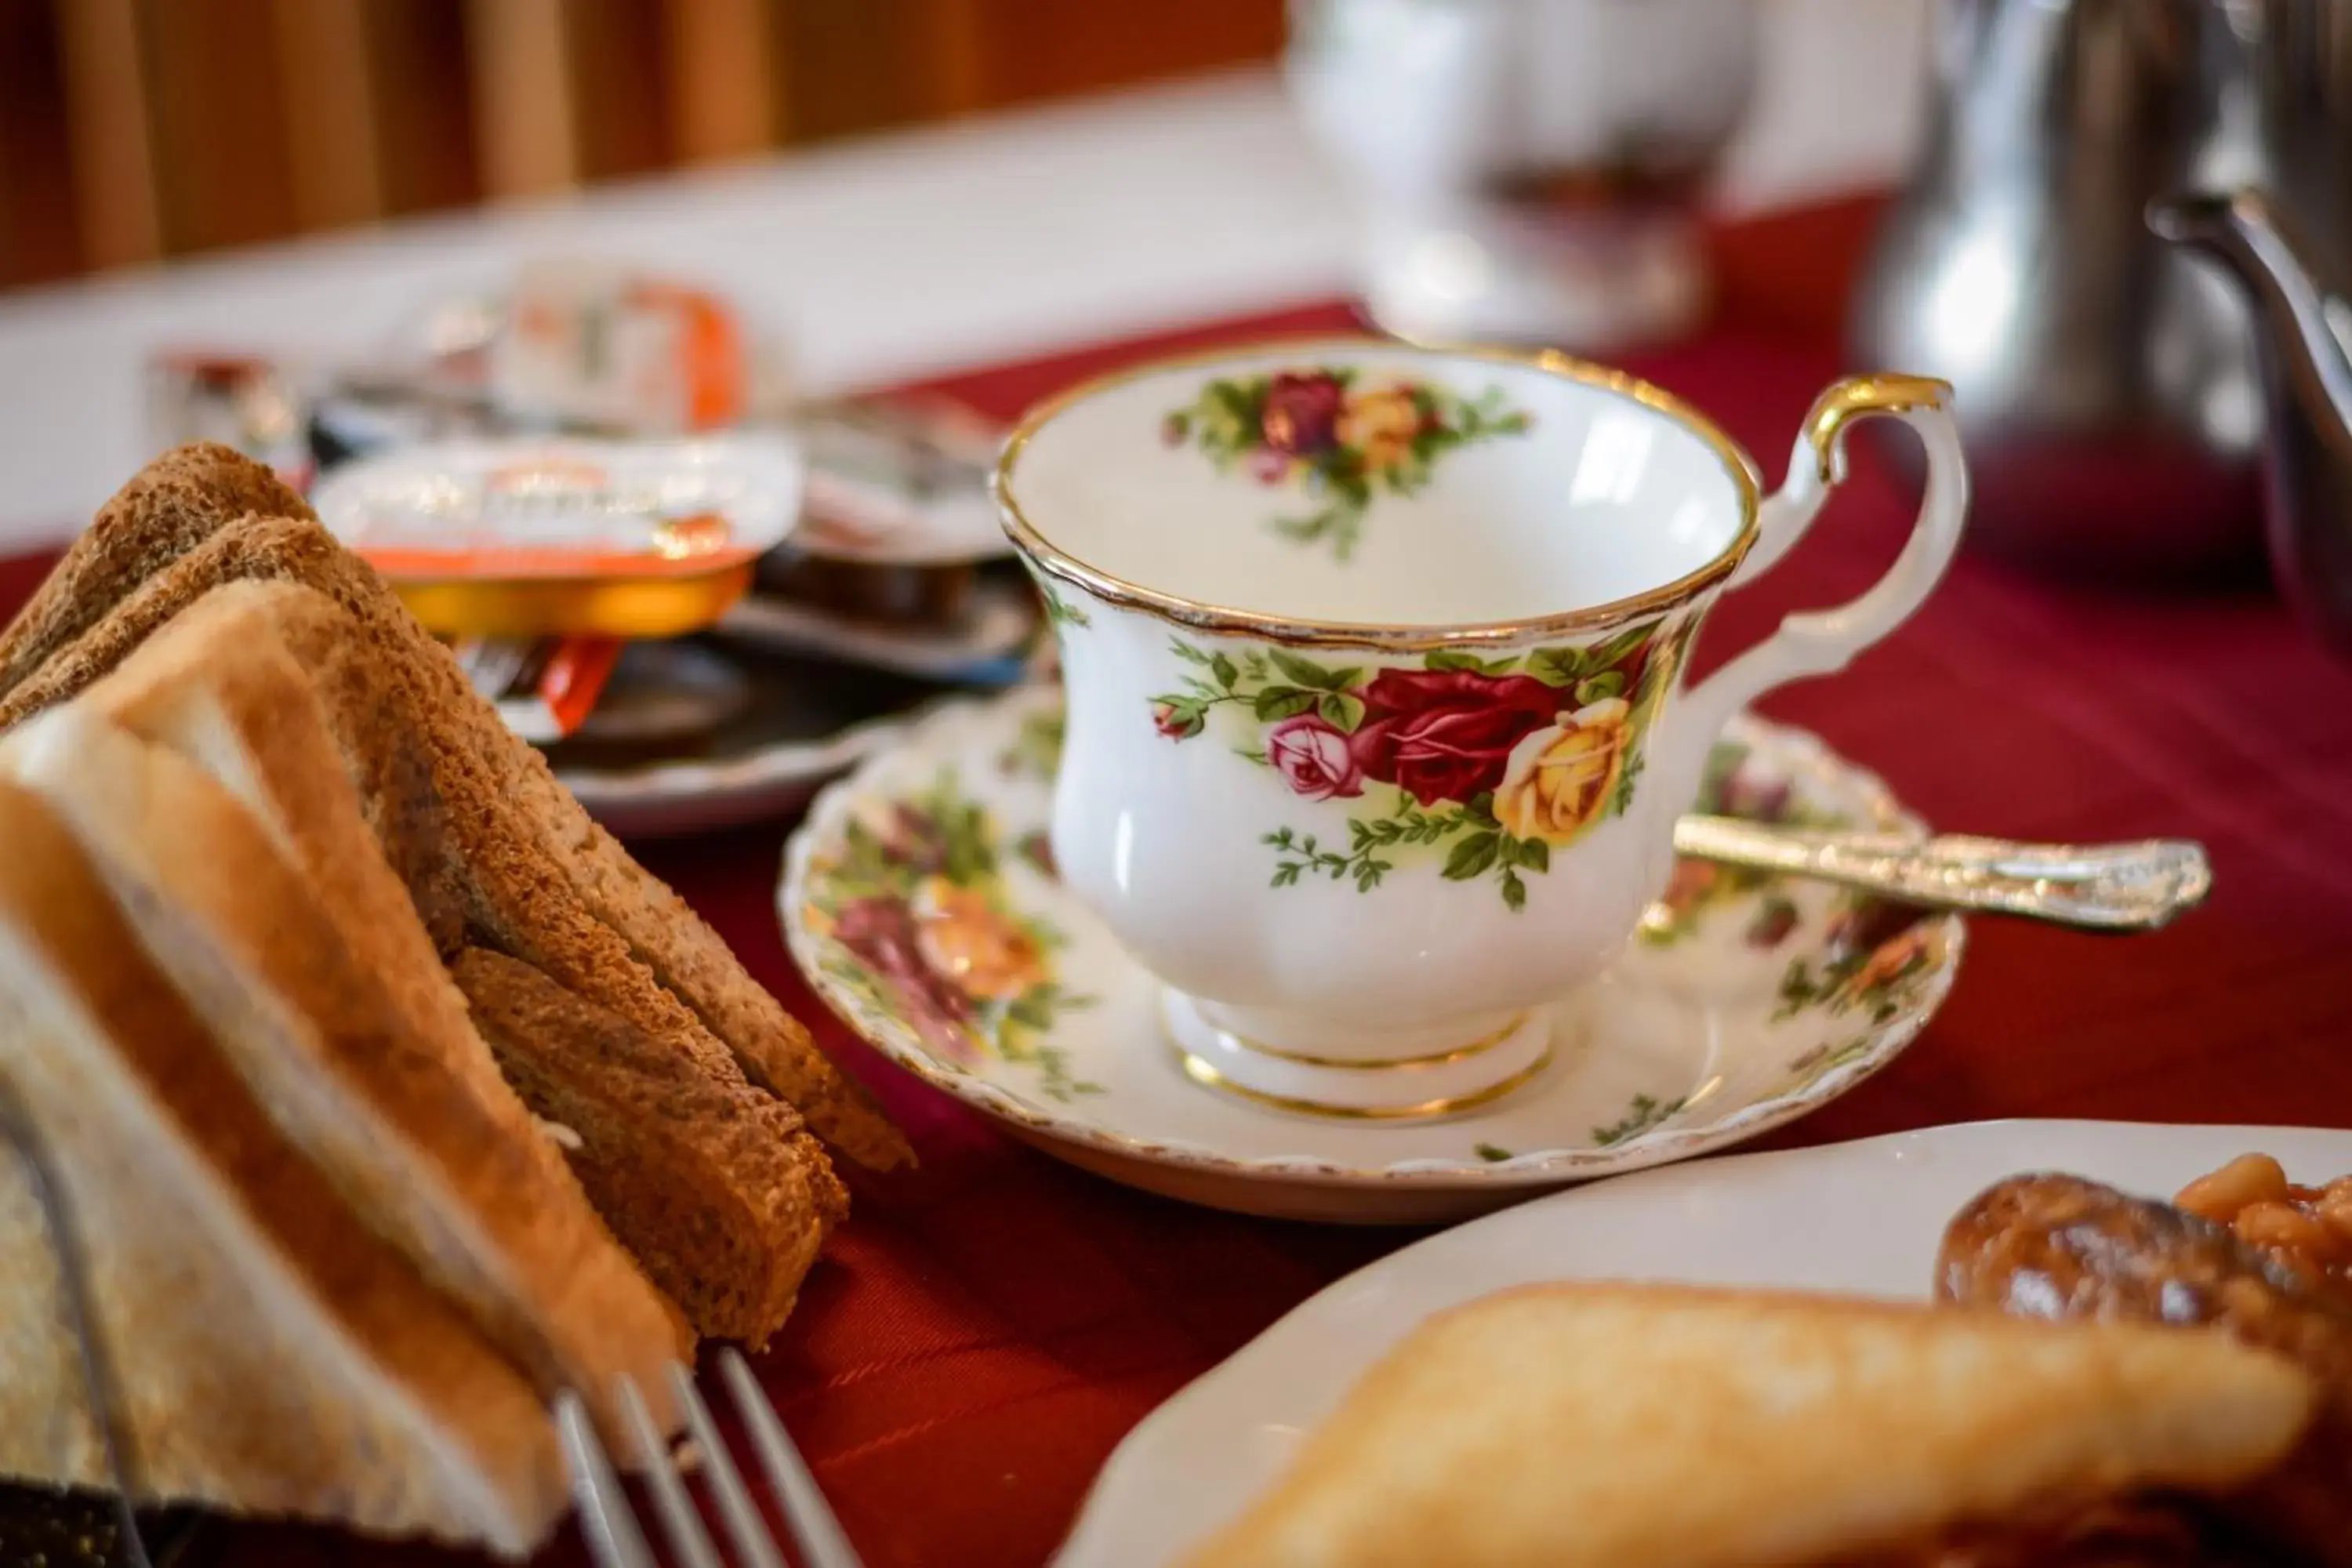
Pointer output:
x,y
988,1325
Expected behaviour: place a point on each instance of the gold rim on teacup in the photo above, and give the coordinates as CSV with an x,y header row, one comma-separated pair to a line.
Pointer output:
x,y
1058,563
1206,1075
1447,1058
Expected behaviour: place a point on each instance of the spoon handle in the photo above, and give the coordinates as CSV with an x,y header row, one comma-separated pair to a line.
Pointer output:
x,y
2093,887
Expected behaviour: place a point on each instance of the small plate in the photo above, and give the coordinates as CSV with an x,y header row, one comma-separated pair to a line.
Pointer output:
x,y
920,901
803,723
901,482
1864,1217
988,645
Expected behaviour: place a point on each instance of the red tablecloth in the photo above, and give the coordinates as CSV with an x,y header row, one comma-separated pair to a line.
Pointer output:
x,y
985,1330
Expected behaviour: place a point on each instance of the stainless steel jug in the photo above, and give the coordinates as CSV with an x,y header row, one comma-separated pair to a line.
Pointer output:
x,y
2287,242
2105,387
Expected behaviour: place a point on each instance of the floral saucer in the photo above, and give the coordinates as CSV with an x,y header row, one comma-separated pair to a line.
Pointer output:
x,y
920,899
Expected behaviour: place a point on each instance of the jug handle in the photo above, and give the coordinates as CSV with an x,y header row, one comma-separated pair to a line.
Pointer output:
x,y
1821,642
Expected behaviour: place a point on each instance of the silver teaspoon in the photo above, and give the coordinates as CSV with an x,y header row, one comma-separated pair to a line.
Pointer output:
x,y
2093,887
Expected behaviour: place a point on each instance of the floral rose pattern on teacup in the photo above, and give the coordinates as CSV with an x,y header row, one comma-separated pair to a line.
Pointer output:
x,y
1499,761
1339,437
916,920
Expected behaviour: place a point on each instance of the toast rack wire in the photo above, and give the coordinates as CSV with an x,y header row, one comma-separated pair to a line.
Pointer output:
x,y
116,1442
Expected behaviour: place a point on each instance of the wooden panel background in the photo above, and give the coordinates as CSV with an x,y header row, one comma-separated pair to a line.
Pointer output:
x,y
132,131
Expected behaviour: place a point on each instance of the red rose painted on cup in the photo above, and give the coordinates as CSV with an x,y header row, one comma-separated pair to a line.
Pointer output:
x,y
1302,412
1447,734
1499,761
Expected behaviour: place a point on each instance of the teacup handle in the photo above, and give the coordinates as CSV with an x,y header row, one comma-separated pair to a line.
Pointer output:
x,y
1821,642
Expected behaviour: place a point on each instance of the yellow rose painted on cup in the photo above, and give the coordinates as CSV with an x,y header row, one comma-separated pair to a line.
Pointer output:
x,y
1379,424
1558,780
960,935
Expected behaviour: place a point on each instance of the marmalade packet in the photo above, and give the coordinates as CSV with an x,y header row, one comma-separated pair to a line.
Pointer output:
x,y
531,537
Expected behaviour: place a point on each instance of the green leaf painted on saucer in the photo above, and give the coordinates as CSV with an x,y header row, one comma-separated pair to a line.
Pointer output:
x,y
1645,1113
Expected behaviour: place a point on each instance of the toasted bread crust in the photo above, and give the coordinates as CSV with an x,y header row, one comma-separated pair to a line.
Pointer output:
x,y
497,889
454,1442
706,1179
539,872
406,1113
170,507
212,620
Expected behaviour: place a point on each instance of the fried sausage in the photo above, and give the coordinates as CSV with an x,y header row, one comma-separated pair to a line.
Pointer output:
x,y
2059,1246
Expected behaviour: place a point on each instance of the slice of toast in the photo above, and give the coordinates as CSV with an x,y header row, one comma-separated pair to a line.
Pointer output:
x,y
528,864
220,685
269,1353
1633,1427
400,1106
169,507
695,1171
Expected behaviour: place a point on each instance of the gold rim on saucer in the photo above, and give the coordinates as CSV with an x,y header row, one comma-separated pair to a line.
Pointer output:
x,y
1056,561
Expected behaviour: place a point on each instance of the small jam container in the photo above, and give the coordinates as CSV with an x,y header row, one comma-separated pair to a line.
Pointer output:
x,y
539,538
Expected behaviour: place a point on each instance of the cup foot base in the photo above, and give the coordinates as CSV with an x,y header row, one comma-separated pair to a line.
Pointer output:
x,y
1473,1073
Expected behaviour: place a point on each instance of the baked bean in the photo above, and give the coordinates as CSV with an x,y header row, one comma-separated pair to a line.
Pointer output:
x,y
2283,1227
2247,1180
2335,1205
2309,1229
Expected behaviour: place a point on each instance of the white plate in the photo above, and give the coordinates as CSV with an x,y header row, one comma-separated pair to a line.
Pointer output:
x,y
1758,1002
1862,1218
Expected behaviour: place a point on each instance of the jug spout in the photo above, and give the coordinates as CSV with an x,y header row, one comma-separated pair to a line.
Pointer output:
x,y
2303,340
2245,233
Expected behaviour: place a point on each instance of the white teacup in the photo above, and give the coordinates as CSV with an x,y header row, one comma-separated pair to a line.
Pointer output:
x,y
1378,718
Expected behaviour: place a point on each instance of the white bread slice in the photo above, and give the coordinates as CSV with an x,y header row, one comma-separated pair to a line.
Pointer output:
x,y
271,1354
542,882
394,1098
1635,1427
710,1182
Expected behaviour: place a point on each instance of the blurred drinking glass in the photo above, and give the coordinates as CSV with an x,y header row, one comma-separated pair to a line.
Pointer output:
x,y
1530,170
